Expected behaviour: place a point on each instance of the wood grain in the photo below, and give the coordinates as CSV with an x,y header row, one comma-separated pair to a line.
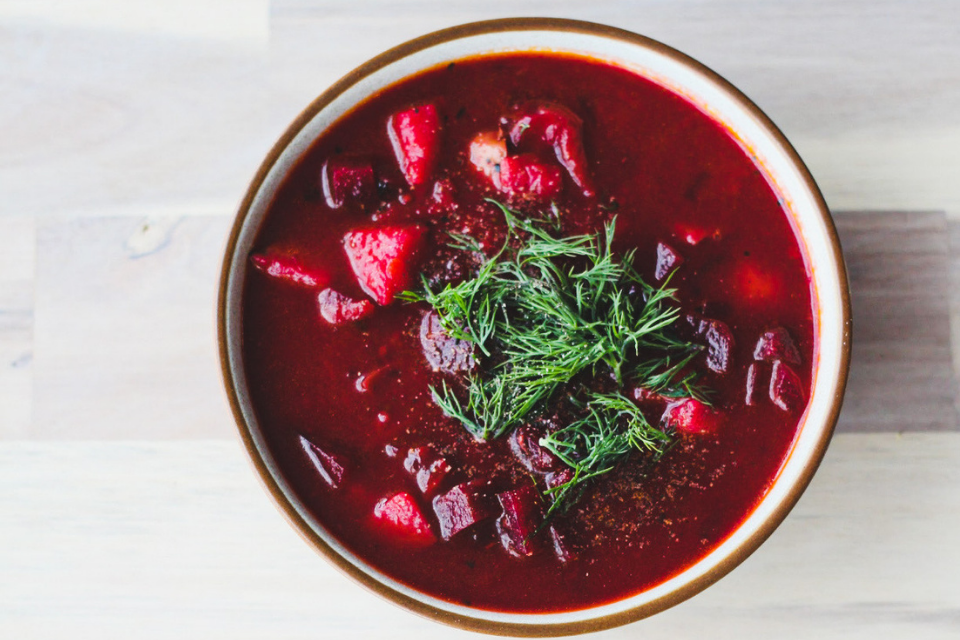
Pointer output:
x,y
902,377
100,119
230,22
128,134
172,540
113,336
124,334
17,264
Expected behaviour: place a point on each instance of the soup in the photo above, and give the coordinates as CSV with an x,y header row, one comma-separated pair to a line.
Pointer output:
x,y
471,448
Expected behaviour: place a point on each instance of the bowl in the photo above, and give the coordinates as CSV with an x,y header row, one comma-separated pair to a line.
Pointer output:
x,y
716,97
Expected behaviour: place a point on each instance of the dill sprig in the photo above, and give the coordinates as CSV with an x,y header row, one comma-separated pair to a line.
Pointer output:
x,y
544,311
612,426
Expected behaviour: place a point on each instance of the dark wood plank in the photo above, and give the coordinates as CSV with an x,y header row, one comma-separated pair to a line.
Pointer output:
x,y
903,273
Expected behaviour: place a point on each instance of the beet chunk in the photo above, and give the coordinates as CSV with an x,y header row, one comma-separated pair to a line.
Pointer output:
x,y
289,269
559,128
650,401
716,336
719,346
402,514
443,352
462,507
667,261
786,390
415,136
383,259
776,344
751,385
522,515
558,478
526,177
560,546
690,416
487,151
337,308
428,468
347,180
443,200
329,466
525,445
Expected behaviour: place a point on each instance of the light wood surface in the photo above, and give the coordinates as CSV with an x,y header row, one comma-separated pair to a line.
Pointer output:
x,y
176,540
128,134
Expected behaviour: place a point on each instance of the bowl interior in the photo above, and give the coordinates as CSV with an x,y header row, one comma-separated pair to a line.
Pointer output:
x,y
758,137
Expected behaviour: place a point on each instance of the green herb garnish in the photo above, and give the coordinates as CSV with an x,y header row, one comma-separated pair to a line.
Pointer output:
x,y
549,316
611,428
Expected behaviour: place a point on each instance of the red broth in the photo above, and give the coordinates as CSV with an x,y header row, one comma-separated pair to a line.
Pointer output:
x,y
358,390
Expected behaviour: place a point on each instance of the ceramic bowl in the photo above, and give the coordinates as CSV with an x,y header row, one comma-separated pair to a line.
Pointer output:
x,y
714,96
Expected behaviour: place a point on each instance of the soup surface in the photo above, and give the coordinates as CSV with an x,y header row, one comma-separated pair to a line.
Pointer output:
x,y
345,372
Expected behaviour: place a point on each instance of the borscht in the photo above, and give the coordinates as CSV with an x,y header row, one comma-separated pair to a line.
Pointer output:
x,y
528,332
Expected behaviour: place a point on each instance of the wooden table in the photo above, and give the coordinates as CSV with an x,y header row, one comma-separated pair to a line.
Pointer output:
x,y
128,133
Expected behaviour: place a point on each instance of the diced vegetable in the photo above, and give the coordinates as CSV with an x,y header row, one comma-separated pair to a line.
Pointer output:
x,y
525,445
487,150
415,136
462,507
348,180
776,344
667,261
716,336
401,513
690,416
560,546
443,352
522,516
443,200
647,397
428,468
383,259
524,176
558,478
337,308
559,128
751,385
329,466
786,390
289,269
719,346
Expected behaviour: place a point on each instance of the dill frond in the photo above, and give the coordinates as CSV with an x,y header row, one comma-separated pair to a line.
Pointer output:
x,y
545,310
